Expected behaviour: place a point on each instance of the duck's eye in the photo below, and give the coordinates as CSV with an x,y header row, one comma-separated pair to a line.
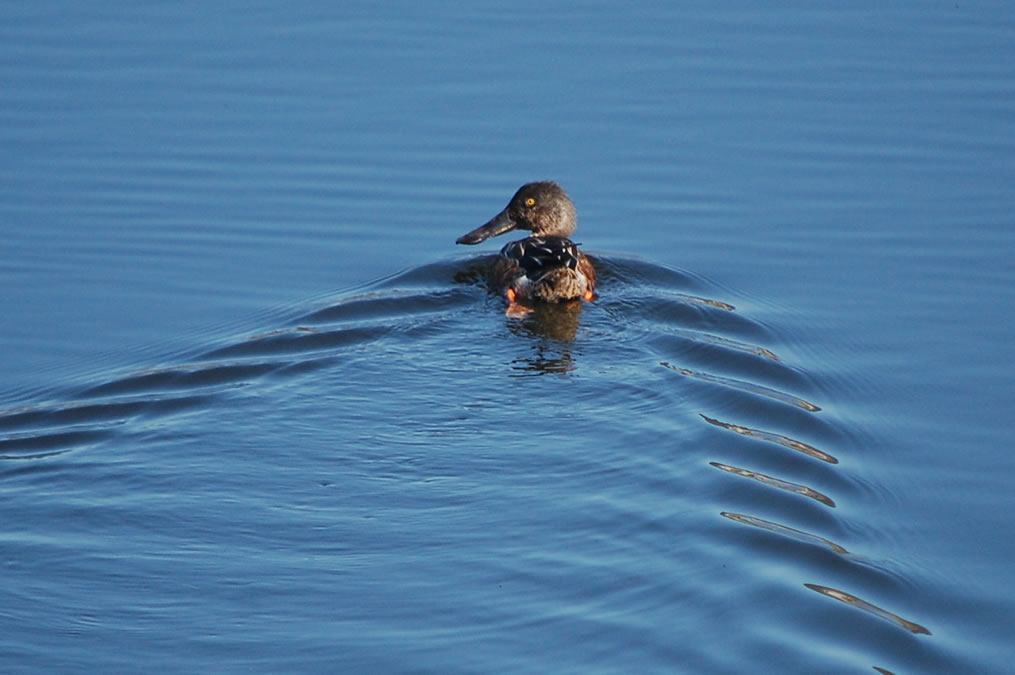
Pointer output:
x,y
530,201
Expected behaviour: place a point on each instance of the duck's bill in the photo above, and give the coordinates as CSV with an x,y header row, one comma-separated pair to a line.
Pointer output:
x,y
499,224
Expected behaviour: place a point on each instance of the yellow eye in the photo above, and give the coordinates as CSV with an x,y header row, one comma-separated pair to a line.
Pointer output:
x,y
530,202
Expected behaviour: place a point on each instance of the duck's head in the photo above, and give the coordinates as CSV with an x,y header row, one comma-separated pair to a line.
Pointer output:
x,y
543,207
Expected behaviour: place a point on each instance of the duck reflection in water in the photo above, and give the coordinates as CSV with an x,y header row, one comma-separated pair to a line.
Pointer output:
x,y
557,322
545,267
556,326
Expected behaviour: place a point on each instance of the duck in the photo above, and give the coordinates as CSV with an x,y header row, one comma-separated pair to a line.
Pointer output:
x,y
546,266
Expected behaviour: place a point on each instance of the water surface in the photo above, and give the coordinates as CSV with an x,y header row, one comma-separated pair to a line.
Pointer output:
x,y
259,413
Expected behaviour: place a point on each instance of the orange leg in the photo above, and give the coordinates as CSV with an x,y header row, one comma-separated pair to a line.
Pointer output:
x,y
514,310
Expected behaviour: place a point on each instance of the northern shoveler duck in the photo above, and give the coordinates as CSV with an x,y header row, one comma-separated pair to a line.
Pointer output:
x,y
545,266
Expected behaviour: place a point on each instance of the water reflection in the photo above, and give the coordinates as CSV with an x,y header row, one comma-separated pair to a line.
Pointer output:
x,y
865,606
742,385
779,439
553,329
555,322
545,362
795,488
784,530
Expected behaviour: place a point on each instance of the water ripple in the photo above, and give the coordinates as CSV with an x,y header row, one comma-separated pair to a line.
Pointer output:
x,y
795,488
864,606
784,530
741,385
779,439
426,359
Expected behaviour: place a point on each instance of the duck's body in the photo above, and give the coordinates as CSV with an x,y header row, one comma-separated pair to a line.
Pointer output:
x,y
546,266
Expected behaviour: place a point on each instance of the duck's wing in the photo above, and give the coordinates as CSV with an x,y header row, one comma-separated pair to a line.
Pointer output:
x,y
539,255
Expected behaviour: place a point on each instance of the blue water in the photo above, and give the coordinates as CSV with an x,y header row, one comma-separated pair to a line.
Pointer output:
x,y
259,413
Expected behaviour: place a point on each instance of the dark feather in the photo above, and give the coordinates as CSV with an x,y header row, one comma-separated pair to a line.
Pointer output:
x,y
539,255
